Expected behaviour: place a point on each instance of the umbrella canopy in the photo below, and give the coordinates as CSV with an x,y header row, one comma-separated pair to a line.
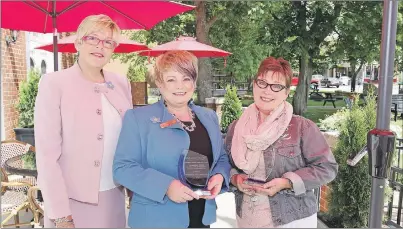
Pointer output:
x,y
67,45
45,15
186,44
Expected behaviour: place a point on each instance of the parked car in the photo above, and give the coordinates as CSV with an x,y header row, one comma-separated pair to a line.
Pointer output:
x,y
330,82
315,79
345,80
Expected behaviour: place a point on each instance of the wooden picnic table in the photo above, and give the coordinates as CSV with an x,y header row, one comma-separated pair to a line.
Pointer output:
x,y
329,98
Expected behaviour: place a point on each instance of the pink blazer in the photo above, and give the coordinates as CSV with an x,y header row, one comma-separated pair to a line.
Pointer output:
x,y
69,135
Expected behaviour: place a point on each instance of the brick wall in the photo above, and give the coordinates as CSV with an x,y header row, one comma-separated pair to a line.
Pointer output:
x,y
13,71
324,198
67,58
139,93
331,139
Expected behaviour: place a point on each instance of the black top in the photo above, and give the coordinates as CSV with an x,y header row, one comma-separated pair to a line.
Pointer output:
x,y
199,142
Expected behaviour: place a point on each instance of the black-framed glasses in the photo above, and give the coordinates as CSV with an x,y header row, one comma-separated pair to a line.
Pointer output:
x,y
274,87
91,40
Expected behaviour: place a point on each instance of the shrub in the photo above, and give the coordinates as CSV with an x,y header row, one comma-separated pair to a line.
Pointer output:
x,y
350,197
27,97
231,109
334,121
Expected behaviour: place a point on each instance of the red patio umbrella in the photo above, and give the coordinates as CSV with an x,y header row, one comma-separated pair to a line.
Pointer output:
x,y
186,44
47,16
67,45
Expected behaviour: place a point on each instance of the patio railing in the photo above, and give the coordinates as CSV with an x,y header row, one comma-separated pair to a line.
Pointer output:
x,y
394,207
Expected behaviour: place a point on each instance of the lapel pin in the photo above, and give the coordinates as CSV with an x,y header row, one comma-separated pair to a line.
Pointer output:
x,y
155,120
110,85
168,123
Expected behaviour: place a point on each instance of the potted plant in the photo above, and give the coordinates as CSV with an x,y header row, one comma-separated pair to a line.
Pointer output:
x,y
25,107
231,109
137,77
350,192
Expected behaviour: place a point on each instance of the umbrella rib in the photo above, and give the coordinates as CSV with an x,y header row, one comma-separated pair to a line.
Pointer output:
x,y
74,5
123,14
36,6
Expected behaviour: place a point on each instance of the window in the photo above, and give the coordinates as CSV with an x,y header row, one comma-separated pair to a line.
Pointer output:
x,y
43,67
31,63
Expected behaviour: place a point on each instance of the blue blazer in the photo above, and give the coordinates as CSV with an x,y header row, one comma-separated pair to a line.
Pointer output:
x,y
146,162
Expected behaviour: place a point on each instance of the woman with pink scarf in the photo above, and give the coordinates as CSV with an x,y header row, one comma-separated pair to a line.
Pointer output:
x,y
278,158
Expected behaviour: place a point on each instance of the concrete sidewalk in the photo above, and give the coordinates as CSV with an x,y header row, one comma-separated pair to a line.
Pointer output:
x,y
226,215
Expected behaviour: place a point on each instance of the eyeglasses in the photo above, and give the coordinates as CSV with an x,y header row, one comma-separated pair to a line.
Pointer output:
x,y
91,40
274,87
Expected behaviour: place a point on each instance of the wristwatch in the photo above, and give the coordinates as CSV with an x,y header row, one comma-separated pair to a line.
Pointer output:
x,y
290,182
62,220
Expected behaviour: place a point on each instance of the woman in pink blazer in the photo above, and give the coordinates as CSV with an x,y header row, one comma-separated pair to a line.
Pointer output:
x,y
78,117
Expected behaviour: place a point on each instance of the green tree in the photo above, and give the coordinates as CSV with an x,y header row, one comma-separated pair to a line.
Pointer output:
x,y
231,109
27,97
358,36
238,32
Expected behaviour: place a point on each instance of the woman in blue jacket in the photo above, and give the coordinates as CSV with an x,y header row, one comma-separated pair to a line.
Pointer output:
x,y
152,141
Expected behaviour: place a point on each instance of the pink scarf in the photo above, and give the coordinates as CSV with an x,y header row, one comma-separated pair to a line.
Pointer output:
x,y
251,139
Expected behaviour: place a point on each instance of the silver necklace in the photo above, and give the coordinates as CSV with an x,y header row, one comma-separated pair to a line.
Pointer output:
x,y
192,126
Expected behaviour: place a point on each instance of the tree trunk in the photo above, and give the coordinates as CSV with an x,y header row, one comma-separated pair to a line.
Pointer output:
x,y
355,73
300,98
353,77
204,83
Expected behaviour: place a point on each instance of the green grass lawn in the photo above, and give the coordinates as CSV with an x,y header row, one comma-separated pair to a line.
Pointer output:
x,y
315,114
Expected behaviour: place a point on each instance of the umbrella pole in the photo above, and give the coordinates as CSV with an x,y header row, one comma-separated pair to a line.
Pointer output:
x,y
381,140
55,51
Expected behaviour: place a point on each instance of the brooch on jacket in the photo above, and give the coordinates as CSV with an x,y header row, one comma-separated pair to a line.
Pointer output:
x,y
164,124
155,119
110,85
168,123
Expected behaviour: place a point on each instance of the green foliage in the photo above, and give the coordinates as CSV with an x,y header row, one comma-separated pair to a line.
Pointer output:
x,y
238,33
27,96
29,160
399,40
231,109
350,197
137,71
357,34
137,64
334,121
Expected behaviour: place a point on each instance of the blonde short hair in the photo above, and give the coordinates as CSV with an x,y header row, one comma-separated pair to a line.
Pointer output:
x,y
94,23
181,61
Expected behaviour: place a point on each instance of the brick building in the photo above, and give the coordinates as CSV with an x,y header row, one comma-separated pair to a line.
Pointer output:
x,y
18,55
13,71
